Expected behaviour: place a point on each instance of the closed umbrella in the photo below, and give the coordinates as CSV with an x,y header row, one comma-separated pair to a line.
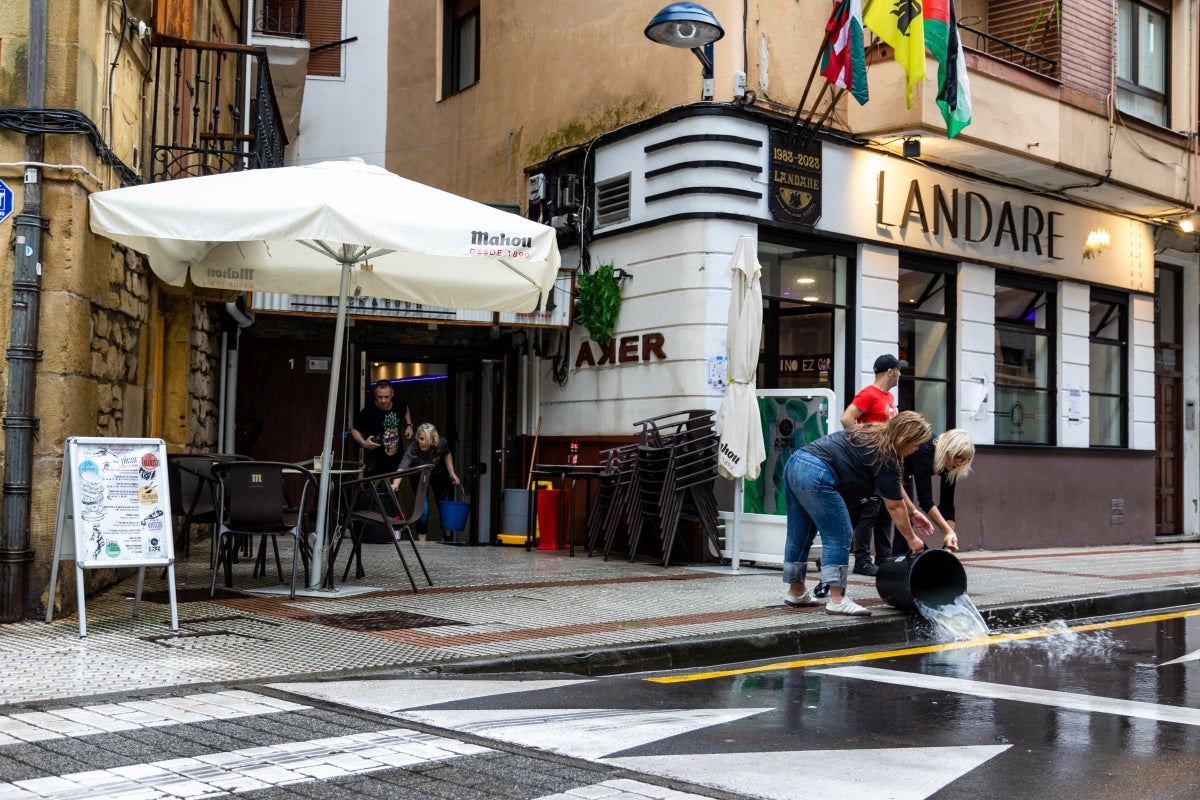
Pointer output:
x,y
742,450
331,229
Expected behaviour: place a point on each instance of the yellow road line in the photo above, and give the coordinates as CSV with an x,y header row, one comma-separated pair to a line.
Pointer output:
x,y
998,638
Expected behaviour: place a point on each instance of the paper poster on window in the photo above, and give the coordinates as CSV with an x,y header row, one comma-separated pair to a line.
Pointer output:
x,y
1074,405
975,397
788,423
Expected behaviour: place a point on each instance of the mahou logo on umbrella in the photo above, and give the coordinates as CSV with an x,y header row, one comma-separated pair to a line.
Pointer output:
x,y
500,245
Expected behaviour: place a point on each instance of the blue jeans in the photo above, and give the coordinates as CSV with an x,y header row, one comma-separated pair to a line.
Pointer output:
x,y
813,504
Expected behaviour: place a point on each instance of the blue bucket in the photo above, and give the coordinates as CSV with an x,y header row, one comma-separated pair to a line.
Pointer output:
x,y
453,514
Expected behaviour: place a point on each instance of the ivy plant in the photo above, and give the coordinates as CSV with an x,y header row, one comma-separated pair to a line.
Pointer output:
x,y
599,302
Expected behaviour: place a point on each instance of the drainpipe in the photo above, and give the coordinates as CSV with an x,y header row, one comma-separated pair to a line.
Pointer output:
x,y
22,354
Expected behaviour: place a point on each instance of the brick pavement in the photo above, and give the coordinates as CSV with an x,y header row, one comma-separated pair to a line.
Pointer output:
x,y
505,608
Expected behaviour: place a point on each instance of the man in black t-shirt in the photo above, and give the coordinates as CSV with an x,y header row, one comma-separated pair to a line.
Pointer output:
x,y
380,429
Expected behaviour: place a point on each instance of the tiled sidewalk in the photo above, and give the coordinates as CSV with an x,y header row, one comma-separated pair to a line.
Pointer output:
x,y
495,604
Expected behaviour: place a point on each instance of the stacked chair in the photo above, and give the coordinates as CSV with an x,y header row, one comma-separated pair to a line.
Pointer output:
x,y
613,502
664,480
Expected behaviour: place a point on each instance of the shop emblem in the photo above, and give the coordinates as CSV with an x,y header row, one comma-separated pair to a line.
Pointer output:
x,y
795,179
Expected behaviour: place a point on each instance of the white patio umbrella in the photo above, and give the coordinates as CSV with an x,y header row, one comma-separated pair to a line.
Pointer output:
x,y
738,423
330,229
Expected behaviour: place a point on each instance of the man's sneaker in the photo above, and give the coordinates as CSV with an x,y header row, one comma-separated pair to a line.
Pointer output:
x,y
822,590
865,568
847,607
806,599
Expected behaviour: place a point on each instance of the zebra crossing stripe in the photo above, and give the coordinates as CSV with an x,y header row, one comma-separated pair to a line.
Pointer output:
x,y
62,723
250,769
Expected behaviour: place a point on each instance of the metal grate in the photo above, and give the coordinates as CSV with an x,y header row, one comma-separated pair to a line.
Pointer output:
x,y
612,200
378,621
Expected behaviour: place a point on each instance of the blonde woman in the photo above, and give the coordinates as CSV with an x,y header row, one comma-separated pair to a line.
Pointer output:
x,y
429,448
829,475
949,457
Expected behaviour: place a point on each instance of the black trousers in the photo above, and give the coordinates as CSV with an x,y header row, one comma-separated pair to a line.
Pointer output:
x,y
871,521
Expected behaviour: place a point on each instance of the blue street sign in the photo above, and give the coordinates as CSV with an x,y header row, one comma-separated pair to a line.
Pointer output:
x,y
6,201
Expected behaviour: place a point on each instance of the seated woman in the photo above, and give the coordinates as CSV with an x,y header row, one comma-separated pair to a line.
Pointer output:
x,y
429,448
949,457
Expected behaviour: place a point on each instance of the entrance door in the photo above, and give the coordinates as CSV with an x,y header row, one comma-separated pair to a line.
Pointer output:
x,y
1167,467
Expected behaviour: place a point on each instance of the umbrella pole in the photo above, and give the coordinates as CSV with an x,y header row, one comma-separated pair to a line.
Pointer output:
x,y
335,368
735,535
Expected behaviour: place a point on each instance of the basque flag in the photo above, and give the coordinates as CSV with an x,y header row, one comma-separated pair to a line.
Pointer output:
x,y
843,62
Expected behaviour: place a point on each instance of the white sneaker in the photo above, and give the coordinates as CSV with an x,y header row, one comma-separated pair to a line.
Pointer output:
x,y
847,607
806,599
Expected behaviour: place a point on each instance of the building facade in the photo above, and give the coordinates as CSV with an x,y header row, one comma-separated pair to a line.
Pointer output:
x,y
1032,268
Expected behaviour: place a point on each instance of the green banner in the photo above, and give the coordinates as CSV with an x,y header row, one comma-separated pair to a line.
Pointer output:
x,y
788,423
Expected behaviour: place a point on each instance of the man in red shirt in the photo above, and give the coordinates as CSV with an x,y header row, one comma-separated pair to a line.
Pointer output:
x,y
875,403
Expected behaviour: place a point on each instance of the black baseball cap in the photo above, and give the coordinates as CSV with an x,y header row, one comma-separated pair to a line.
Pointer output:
x,y
888,361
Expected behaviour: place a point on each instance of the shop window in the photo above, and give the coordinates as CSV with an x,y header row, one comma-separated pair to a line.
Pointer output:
x,y
928,339
804,316
461,65
1108,357
1026,311
1142,61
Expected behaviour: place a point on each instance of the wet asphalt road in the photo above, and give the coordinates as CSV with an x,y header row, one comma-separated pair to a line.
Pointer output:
x,y
1107,710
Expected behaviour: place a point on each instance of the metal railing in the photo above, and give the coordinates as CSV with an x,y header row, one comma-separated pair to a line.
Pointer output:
x,y
279,18
214,111
1007,51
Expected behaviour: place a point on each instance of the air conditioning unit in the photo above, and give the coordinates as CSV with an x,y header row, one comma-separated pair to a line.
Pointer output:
x,y
537,188
570,192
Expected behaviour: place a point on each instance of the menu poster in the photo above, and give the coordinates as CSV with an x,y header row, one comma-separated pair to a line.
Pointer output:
x,y
121,502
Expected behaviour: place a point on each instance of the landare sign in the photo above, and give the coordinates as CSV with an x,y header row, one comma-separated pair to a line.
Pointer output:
x,y
902,203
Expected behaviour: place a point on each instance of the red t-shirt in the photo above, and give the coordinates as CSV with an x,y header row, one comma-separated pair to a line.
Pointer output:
x,y
875,404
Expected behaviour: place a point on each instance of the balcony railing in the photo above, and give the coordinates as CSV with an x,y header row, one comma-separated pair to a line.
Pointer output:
x,y
214,111
1007,51
279,18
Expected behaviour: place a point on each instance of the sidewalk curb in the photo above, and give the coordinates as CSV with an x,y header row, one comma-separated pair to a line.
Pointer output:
x,y
810,640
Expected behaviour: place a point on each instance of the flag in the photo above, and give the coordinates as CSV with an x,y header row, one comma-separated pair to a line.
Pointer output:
x,y
901,25
954,90
843,62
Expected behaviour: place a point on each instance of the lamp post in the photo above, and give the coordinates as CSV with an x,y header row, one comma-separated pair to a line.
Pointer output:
x,y
692,26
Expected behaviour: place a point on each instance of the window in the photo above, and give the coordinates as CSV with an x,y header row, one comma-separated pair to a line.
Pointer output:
x,y
927,340
1107,387
804,311
1142,61
1025,330
323,23
461,67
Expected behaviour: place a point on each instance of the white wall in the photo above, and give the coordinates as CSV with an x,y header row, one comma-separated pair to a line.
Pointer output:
x,y
878,322
680,288
347,116
1074,357
977,348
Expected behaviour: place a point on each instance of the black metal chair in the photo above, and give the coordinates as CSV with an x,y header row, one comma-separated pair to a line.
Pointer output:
x,y
370,501
253,501
193,491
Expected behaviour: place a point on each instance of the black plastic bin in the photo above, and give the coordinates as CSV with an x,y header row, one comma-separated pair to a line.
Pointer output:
x,y
935,577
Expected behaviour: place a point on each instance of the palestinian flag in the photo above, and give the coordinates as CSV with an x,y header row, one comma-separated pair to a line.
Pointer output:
x,y
954,90
843,62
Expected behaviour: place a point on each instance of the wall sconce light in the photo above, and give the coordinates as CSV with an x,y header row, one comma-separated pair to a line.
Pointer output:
x,y
692,26
622,275
912,147
1098,240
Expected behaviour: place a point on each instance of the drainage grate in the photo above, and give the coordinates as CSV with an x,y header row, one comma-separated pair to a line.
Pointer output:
x,y
378,621
197,595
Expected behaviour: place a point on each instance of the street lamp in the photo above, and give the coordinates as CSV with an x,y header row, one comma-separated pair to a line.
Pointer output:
x,y
692,26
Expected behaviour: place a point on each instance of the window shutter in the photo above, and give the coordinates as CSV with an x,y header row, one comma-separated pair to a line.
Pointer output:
x,y
323,21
